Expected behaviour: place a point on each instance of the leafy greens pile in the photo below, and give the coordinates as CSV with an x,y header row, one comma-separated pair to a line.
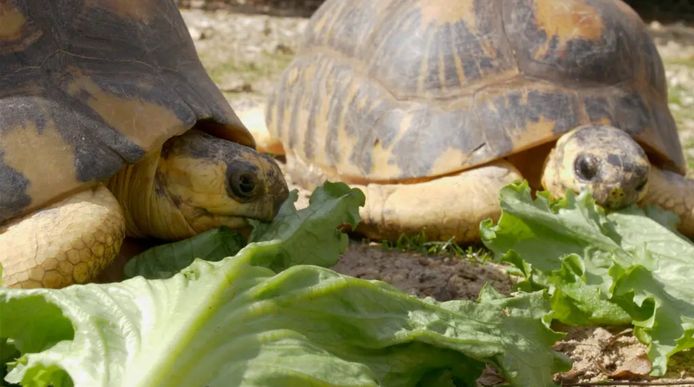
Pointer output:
x,y
268,316
629,266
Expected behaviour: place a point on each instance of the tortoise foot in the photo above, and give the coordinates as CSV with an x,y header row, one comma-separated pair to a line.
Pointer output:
x,y
68,242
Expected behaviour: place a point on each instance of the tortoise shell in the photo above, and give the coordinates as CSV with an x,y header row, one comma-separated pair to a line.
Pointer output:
x,y
397,90
87,86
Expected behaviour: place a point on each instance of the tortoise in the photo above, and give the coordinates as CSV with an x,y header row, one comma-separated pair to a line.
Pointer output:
x,y
109,125
432,106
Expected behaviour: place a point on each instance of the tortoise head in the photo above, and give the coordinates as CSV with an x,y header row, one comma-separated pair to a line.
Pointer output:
x,y
215,182
197,182
602,159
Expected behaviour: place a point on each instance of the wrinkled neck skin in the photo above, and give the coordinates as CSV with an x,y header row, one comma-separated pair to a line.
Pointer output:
x,y
197,182
148,213
152,211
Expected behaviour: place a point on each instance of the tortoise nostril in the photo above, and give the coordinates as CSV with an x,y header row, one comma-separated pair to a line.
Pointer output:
x,y
586,167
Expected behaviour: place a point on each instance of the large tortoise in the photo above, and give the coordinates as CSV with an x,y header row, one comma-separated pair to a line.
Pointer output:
x,y
111,92
433,105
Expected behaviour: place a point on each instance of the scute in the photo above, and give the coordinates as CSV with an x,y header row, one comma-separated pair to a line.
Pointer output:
x,y
407,46
422,55
16,29
582,42
90,85
12,22
589,44
137,10
394,91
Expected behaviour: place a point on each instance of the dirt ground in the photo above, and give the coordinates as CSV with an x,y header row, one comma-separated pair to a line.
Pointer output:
x,y
245,53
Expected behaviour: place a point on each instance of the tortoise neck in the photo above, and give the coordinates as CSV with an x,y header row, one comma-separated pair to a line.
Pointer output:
x,y
148,208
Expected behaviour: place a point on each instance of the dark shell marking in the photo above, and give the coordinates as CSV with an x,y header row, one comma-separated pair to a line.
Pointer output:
x,y
408,89
87,86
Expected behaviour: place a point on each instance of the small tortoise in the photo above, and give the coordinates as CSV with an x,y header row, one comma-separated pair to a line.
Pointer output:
x,y
111,93
433,105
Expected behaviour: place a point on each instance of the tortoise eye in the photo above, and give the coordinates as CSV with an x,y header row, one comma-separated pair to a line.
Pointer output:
x,y
244,185
586,167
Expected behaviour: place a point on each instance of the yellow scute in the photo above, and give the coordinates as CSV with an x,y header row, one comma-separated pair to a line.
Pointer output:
x,y
534,133
146,124
449,161
568,20
448,12
11,21
141,10
383,166
43,157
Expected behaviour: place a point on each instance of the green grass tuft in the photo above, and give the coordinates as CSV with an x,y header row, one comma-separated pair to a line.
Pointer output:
x,y
419,243
267,67
679,61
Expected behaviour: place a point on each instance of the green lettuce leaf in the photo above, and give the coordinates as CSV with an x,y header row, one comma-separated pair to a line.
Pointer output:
x,y
309,235
235,323
312,235
628,266
8,353
166,260
243,321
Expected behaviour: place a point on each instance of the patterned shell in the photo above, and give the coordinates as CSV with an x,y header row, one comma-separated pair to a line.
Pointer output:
x,y
89,85
391,90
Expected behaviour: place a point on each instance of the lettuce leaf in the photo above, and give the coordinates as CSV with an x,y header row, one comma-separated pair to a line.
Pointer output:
x,y
243,320
166,260
233,323
309,235
629,266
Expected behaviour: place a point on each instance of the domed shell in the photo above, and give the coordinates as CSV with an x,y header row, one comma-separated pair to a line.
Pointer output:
x,y
88,86
397,90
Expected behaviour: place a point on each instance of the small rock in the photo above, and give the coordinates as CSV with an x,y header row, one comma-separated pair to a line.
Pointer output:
x,y
195,33
284,49
637,367
207,33
235,85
